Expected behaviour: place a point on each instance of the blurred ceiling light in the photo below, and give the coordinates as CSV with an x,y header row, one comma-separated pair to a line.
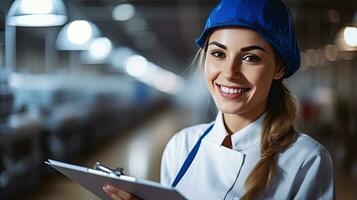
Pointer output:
x,y
119,57
334,16
147,72
162,80
151,74
350,36
100,48
77,35
136,66
168,82
39,7
346,38
331,52
79,32
98,52
35,13
123,12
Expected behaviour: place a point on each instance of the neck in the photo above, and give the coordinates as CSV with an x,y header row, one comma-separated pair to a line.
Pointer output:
x,y
236,122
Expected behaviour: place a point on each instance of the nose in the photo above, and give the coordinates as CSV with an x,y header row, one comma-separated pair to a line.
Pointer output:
x,y
232,70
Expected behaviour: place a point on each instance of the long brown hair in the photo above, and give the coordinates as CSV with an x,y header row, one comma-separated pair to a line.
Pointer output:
x,y
278,133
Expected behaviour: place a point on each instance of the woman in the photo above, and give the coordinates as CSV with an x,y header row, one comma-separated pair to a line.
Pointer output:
x,y
252,150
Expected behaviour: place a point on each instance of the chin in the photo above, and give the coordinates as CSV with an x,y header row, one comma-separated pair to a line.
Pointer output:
x,y
229,109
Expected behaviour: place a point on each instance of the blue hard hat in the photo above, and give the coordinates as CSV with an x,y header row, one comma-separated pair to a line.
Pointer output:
x,y
270,18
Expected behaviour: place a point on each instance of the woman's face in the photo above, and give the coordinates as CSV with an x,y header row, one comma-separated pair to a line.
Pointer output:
x,y
239,69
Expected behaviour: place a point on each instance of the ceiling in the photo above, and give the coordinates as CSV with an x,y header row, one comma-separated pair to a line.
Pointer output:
x,y
176,23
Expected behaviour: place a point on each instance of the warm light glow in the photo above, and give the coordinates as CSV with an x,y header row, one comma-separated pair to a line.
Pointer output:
x,y
331,52
350,36
136,66
123,12
79,32
36,6
100,48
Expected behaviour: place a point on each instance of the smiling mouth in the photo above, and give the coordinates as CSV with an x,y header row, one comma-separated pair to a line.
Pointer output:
x,y
232,90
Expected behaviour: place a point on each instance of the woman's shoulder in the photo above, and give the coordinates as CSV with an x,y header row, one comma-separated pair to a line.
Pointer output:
x,y
309,145
309,166
305,148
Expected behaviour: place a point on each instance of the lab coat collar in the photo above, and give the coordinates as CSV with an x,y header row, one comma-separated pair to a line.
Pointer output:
x,y
242,139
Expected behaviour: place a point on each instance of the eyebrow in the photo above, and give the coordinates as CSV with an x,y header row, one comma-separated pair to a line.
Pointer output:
x,y
248,48
218,44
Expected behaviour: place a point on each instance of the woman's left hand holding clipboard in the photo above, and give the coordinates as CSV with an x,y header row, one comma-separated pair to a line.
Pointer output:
x,y
118,194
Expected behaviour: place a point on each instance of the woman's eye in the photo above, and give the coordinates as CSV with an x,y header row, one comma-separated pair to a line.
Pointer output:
x,y
251,58
218,54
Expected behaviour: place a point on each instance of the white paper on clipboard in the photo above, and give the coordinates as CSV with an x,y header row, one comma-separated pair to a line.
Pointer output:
x,y
93,180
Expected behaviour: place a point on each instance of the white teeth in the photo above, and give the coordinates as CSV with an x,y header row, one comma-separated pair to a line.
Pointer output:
x,y
233,91
225,89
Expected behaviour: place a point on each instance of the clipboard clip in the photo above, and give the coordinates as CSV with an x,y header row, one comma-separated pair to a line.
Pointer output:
x,y
117,171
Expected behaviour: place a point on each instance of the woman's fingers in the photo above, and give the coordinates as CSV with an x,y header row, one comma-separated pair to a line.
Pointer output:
x,y
108,189
117,194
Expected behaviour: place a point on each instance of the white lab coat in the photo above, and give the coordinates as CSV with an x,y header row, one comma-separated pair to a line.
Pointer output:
x,y
219,173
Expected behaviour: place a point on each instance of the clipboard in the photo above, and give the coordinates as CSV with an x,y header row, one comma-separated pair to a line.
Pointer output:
x,y
94,179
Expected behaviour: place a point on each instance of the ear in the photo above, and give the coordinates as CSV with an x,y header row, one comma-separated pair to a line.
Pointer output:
x,y
279,73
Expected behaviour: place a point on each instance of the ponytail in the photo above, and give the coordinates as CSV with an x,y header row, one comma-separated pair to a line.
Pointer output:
x,y
278,133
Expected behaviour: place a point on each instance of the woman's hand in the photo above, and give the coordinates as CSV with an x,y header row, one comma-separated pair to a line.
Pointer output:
x,y
118,194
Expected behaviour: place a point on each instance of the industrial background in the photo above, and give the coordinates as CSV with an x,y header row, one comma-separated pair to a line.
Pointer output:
x,y
113,80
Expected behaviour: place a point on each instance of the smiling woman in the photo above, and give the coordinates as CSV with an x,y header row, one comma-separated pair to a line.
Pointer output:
x,y
239,74
252,150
